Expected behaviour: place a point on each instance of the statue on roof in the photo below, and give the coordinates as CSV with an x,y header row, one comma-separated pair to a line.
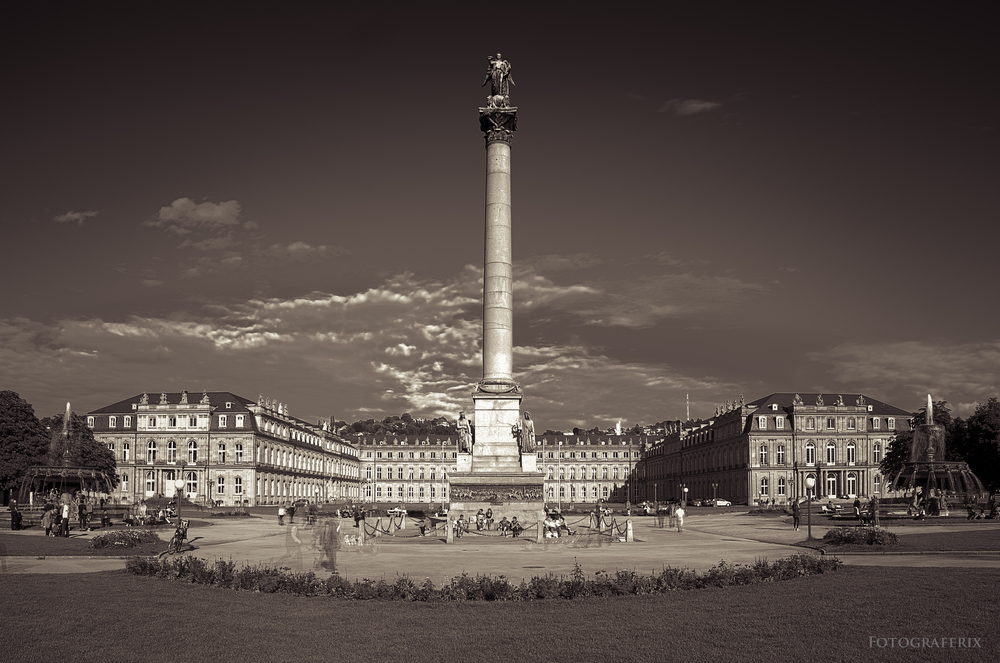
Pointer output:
x,y
145,399
861,400
163,399
840,400
797,400
184,398
204,398
819,399
260,400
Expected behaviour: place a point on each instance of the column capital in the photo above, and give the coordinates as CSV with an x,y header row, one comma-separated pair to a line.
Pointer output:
x,y
498,124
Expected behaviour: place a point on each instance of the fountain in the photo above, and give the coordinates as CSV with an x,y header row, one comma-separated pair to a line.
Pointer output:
x,y
62,476
930,479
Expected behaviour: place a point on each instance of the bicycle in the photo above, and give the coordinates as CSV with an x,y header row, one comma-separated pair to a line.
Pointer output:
x,y
177,541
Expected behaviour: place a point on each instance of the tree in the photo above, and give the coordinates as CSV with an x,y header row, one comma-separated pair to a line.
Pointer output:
x,y
83,449
898,451
23,439
978,440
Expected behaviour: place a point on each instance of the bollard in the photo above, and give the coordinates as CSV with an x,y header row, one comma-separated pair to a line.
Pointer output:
x,y
628,532
402,522
451,531
540,538
601,524
362,534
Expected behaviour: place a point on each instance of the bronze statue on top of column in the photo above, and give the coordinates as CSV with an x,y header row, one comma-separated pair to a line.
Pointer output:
x,y
498,75
498,119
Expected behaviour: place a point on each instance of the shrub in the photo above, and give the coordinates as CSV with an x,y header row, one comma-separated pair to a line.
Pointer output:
x,y
124,538
480,588
871,536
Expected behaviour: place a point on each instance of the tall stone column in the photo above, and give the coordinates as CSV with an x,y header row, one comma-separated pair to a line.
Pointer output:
x,y
496,475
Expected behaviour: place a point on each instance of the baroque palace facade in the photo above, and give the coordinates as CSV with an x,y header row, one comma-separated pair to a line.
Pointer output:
x,y
226,449
577,468
763,451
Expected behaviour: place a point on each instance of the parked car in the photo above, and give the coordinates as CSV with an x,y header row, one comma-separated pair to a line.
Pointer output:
x,y
719,502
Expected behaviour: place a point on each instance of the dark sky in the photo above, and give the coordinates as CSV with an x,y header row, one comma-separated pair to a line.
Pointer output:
x,y
713,200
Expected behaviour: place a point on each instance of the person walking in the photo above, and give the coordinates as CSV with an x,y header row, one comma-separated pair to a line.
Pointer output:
x,y
64,520
47,519
873,510
281,515
680,519
796,515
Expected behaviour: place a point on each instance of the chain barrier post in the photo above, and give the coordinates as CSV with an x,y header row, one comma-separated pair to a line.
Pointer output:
x,y
628,531
451,531
540,533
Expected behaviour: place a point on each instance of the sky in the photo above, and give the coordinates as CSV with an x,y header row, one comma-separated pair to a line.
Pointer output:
x,y
709,200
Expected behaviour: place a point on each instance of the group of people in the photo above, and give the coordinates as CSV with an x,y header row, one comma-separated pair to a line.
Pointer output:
x,y
509,527
670,515
554,526
56,516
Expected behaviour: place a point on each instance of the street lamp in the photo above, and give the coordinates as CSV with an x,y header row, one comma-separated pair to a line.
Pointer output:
x,y
685,500
179,485
810,482
714,486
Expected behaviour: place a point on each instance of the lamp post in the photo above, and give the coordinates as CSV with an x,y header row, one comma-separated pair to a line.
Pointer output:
x,y
684,501
179,485
714,486
810,482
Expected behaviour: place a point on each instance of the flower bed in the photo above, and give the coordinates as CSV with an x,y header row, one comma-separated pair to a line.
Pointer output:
x,y
481,588
124,538
871,536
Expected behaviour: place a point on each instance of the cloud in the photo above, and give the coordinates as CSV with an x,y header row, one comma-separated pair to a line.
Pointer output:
x,y
956,372
299,251
78,217
686,107
184,216
151,283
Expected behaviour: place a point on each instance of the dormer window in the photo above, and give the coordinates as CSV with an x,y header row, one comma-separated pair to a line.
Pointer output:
x,y
90,422
779,422
875,423
229,406
774,407
762,423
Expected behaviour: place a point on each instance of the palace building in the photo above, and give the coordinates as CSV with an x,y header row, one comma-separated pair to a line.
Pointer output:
x,y
576,468
228,450
763,451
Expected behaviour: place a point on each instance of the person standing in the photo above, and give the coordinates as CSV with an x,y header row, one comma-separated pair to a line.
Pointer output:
x,y
47,519
281,515
680,519
873,510
64,520
796,515
291,514
15,515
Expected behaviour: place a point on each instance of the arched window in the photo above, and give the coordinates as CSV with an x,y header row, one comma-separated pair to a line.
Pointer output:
x,y
150,483
781,486
810,454
779,454
852,484
551,493
239,453
237,485
171,451
851,455
877,452
831,452
572,474
124,483
763,454
220,485
125,451
378,473
151,451
763,486
562,492
222,454
593,492
192,483
409,493
192,451
593,474
562,473
604,472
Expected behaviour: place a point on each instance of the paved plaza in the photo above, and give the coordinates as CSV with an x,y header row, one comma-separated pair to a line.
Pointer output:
x,y
707,539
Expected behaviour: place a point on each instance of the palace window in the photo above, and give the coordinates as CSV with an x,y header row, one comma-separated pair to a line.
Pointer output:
x,y
222,453
378,473
779,454
125,451
831,453
604,472
432,474
593,492
810,423
551,470
593,473
399,472
421,474
851,423
781,486
779,422
238,485
152,422
810,454
239,453
551,493
562,474
762,423
124,483
763,454
615,473
239,421
112,422
192,451
572,474
409,493
222,421
192,483
876,483
604,492
171,451
875,423
220,485
763,486
890,423
150,482
851,454
877,452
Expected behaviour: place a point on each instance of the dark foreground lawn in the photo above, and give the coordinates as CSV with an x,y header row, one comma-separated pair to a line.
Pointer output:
x,y
829,617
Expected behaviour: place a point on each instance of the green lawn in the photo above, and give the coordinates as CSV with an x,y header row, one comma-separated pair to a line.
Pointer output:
x,y
830,617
